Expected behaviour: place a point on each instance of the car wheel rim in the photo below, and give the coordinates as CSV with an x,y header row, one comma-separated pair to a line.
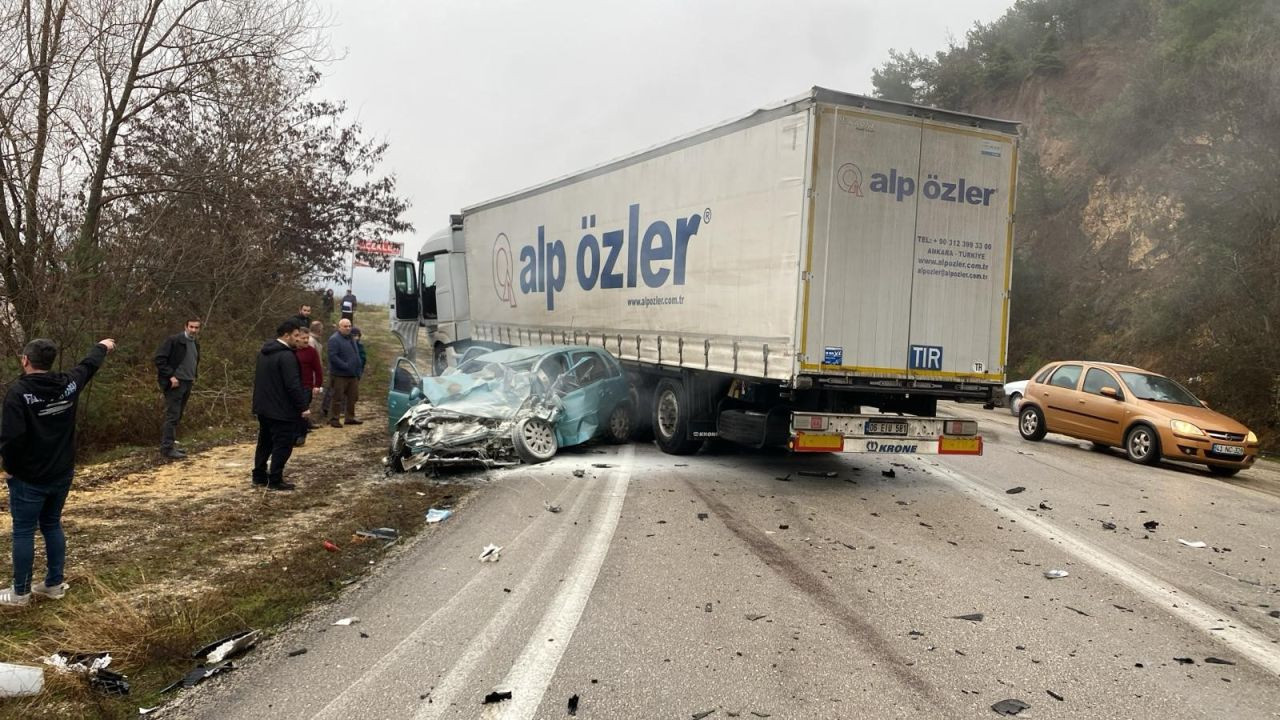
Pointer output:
x,y
618,424
668,413
537,436
1029,423
1140,444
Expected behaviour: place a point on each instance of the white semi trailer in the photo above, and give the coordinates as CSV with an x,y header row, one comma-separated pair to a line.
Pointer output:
x,y
768,281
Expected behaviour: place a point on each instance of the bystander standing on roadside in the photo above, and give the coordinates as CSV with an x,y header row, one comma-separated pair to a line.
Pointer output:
x,y
38,446
303,318
312,380
177,362
327,305
357,338
344,369
321,407
279,403
349,306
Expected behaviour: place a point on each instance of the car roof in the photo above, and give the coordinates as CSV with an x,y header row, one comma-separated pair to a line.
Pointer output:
x,y
1111,365
516,354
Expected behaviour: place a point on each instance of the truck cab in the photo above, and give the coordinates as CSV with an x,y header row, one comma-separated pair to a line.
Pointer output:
x,y
430,292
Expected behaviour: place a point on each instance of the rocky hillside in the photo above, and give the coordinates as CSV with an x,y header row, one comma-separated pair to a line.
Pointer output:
x,y
1148,227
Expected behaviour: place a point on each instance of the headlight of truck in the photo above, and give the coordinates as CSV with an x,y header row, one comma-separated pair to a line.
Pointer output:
x,y
1251,438
1185,428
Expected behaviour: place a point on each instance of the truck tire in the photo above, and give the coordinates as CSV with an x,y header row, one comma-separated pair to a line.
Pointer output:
x,y
535,440
1142,445
620,425
642,420
671,418
1031,423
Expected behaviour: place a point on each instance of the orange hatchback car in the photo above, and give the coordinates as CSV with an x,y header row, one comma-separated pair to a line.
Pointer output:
x,y
1148,415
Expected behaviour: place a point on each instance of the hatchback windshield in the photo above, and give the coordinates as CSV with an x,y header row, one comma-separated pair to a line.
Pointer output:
x,y
1158,388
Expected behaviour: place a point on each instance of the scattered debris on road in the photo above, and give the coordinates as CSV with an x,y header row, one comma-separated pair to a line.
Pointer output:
x,y
1274,613
490,553
818,474
109,682
707,607
199,675
497,696
1078,612
1015,490
1108,526
229,646
1045,506
328,545
602,465
703,516
783,479
784,527
700,715
435,515
579,473
1009,707
1055,574
1151,524
972,617
296,653
1218,661
888,473
344,622
754,617
1185,661
388,535
1193,543
573,705
550,508
1055,696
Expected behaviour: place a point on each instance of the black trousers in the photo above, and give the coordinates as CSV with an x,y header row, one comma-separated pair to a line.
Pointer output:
x,y
304,424
175,404
275,443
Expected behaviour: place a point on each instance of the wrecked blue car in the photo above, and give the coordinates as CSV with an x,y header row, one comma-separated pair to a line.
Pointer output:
x,y
507,406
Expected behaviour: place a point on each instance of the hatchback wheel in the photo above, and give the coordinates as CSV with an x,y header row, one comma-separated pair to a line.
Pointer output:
x,y
1031,423
1142,445
535,440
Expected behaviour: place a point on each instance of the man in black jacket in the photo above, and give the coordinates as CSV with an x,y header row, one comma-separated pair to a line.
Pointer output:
x,y
279,402
303,318
38,446
177,361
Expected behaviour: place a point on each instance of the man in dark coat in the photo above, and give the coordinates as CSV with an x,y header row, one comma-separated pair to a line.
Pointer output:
x,y
279,403
303,318
177,362
349,306
38,445
344,370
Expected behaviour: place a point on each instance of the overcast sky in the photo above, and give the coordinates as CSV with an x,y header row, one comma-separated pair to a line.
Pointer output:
x,y
479,98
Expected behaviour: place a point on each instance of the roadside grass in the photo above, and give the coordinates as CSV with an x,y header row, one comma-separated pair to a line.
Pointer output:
x,y
163,558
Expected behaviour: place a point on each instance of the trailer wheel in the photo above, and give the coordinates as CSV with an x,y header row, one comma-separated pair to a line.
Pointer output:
x,y
671,418
642,425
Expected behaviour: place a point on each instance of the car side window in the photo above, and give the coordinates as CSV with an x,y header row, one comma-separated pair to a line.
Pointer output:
x,y
406,377
1067,376
1042,377
1096,379
590,368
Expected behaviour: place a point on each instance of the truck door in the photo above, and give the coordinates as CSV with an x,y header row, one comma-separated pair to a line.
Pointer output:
x,y
406,305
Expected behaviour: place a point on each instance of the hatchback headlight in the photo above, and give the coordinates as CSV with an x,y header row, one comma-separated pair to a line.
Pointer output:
x,y
1251,438
1185,428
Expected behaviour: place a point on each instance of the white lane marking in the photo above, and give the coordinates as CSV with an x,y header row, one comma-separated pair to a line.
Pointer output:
x,y
532,672
454,682
1250,644
346,704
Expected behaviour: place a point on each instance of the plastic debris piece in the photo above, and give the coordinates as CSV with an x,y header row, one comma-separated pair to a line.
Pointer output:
x,y
1108,526
230,646
1185,661
1055,696
1045,506
579,473
708,607
497,696
1055,574
65,661
602,465
109,682
435,515
754,617
1122,608
700,715
573,705
147,711
296,653
1218,661
379,534
1078,612
784,527
818,473
200,674
328,545
550,508
490,553
888,473
256,538
1009,707
1192,543
347,621
783,479
1151,524
1015,490
974,617
760,714
1274,613
915,633
20,680
703,516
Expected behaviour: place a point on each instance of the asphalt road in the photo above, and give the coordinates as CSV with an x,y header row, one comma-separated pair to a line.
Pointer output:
x,y
668,587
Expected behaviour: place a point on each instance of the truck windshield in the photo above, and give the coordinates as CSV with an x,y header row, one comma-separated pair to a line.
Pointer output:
x,y
1158,388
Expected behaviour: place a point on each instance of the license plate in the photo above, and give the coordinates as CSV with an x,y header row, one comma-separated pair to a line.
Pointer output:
x,y
1228,449
885,428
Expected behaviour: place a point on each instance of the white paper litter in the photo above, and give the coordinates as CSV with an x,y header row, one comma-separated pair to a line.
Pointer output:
x,y
490,553
347,621
1192,543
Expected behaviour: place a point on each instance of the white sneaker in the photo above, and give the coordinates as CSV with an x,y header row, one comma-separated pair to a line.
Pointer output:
x,y
11,599
53,593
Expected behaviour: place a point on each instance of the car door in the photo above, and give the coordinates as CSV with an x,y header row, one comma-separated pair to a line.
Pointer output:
x,y
581,393
1057,398
405,392
1102,417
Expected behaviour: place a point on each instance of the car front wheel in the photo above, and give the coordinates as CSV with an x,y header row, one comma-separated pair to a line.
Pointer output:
x,y
1142,445
1031,423
535,440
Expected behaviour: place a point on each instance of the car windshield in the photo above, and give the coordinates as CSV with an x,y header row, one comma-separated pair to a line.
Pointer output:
x,y
1158,388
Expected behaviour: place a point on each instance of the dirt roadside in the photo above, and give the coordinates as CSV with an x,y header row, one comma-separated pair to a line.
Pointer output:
x,y
164,558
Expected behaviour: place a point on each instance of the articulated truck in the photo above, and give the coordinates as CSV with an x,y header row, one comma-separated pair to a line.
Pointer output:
x,y
817,275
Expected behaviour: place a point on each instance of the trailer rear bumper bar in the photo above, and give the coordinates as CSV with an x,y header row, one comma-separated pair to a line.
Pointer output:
x,y
884,435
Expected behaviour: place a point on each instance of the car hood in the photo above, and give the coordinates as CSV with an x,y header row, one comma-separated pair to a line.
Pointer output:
x,y
1201,417
496,397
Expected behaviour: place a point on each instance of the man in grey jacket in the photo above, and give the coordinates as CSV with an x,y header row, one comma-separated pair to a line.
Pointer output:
x,y
177,362
344,369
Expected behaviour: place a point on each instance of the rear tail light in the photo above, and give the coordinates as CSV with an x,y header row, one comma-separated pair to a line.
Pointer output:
x,y
960,427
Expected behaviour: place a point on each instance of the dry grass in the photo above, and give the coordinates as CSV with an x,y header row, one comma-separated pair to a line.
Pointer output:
x,y
162,559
